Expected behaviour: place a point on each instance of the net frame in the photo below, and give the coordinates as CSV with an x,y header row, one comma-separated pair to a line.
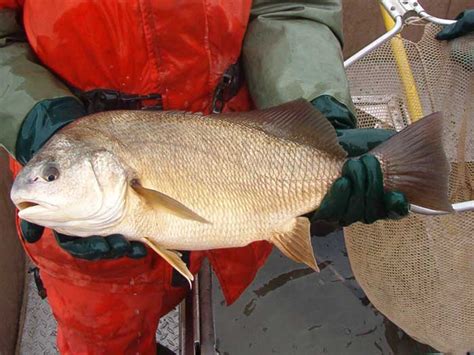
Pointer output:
x,y
419,272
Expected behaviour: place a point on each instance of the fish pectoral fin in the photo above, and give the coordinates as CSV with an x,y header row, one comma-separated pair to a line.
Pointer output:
x,y
157,199
173,258
296,244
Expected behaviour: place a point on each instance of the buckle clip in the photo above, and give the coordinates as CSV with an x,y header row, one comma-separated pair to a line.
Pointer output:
x,y
38,282
227,88
100,100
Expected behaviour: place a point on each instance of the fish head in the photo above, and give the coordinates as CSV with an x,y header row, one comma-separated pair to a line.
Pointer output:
x,y
71,187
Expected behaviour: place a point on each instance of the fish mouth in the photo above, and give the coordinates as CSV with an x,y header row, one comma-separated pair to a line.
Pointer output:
x,y
26,204
36,212
30,205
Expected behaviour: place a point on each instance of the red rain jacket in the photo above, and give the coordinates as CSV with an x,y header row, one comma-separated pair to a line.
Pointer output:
x,y
179,50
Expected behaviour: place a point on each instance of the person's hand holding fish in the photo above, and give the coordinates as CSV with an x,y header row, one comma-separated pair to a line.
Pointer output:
x,y
358,195
193,182
464,25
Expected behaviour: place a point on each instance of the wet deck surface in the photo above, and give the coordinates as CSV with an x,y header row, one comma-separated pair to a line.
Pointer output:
x,y
289,309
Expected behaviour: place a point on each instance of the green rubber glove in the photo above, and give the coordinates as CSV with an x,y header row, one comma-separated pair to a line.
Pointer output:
x,y
337,113
47,117
44,119
359,141
96,247
90,248
353,140
358,195
463,26
31,232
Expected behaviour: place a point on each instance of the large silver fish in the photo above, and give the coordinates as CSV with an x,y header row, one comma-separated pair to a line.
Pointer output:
x,y
181,181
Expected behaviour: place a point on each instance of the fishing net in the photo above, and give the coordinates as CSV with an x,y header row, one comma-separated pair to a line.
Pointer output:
x,y
419,271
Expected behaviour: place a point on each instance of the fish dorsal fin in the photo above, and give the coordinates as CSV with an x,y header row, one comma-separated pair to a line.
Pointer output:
x,y
159,200
297,121
296,243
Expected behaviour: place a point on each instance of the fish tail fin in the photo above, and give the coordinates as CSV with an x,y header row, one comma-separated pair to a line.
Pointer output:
x,y
296,244
414,162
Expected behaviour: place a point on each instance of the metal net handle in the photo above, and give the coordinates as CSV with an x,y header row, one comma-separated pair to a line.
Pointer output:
x,y
402,12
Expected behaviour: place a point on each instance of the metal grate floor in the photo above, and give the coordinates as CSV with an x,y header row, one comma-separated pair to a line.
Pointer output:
x,y
39,331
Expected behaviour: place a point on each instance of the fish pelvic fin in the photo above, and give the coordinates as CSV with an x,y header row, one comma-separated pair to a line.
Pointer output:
x,y
296,244
413,161
173,258
159,200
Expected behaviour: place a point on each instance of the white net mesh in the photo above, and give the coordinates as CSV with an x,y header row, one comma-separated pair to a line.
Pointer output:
x,y
419,271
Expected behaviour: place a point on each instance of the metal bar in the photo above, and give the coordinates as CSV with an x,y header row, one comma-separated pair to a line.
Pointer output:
x,y
187,325
465,206
411,8
402,8
208,339
197,335
196,315
377,43
182,328
440,21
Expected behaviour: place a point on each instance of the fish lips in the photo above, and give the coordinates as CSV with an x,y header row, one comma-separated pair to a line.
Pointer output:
x,y
34,211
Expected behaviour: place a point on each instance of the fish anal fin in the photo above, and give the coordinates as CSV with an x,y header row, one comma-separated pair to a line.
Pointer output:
x,y
159,200
297,121
173,258
296,243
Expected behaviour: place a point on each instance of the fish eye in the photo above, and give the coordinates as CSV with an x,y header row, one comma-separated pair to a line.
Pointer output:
x,y
50,173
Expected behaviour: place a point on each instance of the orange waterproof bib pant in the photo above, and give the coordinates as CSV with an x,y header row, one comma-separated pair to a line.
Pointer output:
x,y
136,47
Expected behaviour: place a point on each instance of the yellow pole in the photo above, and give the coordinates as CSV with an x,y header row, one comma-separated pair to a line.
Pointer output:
x,y
409,85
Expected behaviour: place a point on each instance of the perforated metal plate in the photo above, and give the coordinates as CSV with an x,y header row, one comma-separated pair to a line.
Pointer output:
x,y
38,334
